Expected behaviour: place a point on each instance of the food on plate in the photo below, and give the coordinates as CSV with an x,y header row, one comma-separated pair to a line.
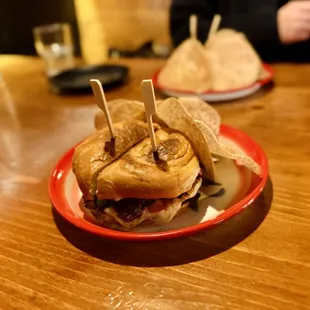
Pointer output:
x,y
186,68
232,61
227,61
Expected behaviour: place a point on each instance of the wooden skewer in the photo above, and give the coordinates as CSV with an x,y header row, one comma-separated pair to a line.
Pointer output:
x,y
102,103
150,108
214,25
193,26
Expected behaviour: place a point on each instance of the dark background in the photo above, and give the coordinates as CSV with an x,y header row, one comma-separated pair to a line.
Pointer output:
x,y
18,17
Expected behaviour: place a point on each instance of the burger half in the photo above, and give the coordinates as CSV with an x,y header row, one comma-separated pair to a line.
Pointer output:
x,y
136,185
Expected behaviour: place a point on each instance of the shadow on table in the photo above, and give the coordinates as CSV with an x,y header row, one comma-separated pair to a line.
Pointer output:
x,y
172,252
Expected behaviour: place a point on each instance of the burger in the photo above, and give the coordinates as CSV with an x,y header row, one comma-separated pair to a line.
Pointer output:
x,y
125,184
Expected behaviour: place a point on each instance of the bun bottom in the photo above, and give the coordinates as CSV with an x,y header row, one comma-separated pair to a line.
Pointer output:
x,y
109,222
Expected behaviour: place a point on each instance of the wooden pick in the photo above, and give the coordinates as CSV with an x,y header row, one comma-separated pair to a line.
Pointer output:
x,y
102,103
214,25
150,108
193,26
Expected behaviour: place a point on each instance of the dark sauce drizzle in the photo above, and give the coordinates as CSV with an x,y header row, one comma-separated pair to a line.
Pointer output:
x,y
109,146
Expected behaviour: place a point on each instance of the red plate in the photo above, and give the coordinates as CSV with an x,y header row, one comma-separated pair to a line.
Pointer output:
x,y
242,187
213,96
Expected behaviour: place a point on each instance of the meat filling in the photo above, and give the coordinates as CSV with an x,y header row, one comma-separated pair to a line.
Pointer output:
x,y
130,212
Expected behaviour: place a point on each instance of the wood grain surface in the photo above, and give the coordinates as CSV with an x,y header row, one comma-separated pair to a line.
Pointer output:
x,y
259,259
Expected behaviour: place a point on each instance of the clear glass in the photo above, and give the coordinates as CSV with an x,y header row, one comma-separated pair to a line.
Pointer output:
x,y
54,43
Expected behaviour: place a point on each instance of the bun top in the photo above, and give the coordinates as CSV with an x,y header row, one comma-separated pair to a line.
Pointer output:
x,y
97,152
137,174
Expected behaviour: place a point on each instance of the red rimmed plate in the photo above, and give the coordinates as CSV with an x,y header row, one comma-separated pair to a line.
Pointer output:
x,y
216,96
241,187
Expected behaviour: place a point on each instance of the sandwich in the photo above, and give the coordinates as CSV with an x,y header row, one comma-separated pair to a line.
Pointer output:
x,y
124,184
225,62
134,185
139,186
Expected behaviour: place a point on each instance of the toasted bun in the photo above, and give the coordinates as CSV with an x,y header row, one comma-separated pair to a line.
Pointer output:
x,y
123,110
137,175
92,156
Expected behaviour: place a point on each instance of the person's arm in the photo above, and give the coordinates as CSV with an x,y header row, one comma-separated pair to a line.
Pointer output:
x,y
259,24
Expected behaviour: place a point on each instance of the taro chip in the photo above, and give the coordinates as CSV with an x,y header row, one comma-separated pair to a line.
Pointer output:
x,y
221,150
173,114
122,110
201,111
233,62
186,68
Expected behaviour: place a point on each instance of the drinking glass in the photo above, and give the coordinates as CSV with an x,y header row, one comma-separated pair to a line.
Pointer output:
x,y
54,43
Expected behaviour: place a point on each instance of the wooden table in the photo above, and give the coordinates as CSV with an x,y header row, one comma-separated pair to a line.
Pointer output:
x,y
260,259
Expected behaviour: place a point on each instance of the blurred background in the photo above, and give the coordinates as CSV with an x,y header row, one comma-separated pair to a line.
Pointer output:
x,y
100,28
